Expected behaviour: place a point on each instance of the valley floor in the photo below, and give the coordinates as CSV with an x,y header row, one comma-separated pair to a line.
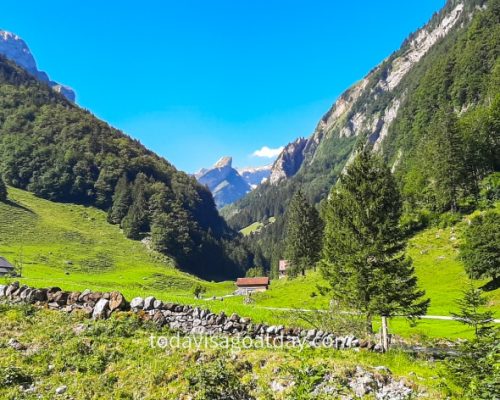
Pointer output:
x,y
75,248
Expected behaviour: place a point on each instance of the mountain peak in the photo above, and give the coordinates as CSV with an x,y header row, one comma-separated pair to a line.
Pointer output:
x,y
15,49
228,184
224,162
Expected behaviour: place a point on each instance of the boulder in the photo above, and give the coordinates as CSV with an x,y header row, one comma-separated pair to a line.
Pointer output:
x,y
116,301
84,296
73,298
234,317
149,303
101,309
61,390
37,295
3,288
158,304
11,289
137,304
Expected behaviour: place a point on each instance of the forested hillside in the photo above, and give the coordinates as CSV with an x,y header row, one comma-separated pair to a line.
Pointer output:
x,y
62,153
431,109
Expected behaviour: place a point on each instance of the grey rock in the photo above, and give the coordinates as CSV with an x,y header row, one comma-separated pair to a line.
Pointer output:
x,y
158,304
16,345
83,295
101,309
137,304
61,389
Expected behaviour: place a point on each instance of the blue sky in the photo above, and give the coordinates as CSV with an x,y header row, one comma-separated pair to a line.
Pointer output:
x,y
197,80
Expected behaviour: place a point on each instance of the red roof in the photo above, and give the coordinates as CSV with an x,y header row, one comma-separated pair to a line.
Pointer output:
x,y
261,281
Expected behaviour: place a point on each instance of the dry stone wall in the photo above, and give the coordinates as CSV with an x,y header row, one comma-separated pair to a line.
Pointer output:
x,y
178,317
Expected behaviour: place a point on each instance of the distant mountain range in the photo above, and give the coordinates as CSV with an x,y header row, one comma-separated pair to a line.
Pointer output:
x,y
15,49
229,184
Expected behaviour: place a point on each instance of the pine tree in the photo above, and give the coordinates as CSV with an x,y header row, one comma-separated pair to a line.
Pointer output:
x,y
447,162
481,249
3,190
137,219
171,232
363,254
122,199
303,235
470,313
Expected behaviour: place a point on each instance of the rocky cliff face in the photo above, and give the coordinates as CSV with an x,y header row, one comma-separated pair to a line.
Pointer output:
x,y
289,161
15,49
225,183
371,105
367,114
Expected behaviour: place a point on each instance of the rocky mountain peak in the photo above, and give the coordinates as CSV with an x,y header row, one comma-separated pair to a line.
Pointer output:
x,y
289,161
224,162
15,49
228,184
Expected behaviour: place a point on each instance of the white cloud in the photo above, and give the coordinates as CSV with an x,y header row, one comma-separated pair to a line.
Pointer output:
x,y
267,152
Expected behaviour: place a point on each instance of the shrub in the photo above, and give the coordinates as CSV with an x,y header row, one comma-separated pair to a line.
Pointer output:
x,y
10,376
218,380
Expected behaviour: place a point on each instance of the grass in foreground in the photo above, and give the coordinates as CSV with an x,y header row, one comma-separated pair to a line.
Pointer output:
x,y
114,359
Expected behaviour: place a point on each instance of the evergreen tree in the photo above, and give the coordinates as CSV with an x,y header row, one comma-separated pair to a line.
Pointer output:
x,y
303,235
470,314
3,190
446,162
136,221
363,253
122,199
481,250
171,233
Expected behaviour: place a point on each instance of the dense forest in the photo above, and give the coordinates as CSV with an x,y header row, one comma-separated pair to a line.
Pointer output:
x,y
443,145
62,153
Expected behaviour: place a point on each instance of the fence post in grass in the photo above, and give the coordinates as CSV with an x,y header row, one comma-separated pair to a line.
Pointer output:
x,y
385,335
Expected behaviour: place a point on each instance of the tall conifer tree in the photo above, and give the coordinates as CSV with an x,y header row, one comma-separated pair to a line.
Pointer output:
x,y
303,235
122,199
363,253
137,218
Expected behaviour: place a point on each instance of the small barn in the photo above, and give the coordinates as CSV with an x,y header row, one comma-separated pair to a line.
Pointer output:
x,y
250,285
282,268
6,268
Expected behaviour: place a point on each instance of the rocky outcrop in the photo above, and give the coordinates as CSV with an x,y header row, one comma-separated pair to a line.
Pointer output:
x,y
178,317
225,183
351,116
288,162
15,49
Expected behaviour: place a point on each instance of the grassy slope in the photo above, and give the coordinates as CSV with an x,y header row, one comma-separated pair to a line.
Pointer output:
x,y
74,247
48,235
114,359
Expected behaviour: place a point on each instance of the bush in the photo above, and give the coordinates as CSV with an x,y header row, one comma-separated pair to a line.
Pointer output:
x,y
10,376
481,250
476,367
218,380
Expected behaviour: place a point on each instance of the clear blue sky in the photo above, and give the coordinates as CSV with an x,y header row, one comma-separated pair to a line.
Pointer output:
x,y
196,80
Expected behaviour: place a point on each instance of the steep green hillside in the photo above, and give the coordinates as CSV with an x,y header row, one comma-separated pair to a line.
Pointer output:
x,y
61,152
74,247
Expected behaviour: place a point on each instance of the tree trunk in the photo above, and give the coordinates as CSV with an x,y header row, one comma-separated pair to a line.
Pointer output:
x,y
385,335
369,327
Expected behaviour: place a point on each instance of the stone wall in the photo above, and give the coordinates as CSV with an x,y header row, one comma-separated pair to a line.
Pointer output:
x,y
182,318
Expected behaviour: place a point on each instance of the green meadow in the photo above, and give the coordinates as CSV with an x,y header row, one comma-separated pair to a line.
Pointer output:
x,y
74,247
